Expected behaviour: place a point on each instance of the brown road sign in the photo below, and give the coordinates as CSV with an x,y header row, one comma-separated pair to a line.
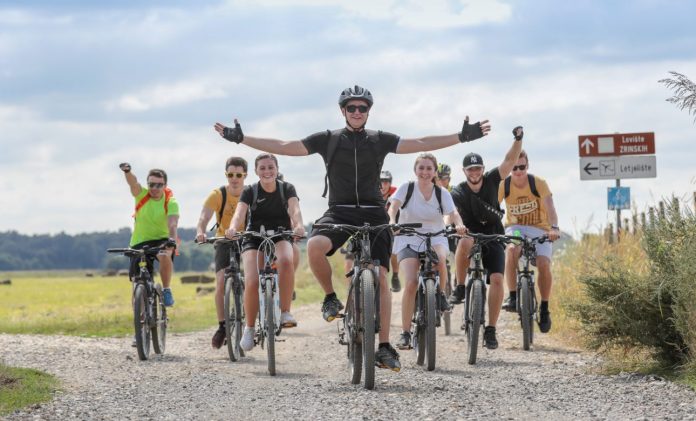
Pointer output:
x,y
617,144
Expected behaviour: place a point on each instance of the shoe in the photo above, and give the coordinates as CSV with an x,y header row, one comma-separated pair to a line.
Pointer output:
x,y
247,342
396,283
294,295
219,338
167,297
489,339
510,304
387,357
330,308
458,295
286,320
134,344
404,341
442,302
544,322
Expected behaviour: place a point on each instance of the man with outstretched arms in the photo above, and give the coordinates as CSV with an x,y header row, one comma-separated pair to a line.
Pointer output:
x,y
156,219
477,202
223,208
353,157
530,213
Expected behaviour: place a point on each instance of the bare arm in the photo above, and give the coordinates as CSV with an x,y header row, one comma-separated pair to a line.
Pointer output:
x,y
238,218
275,146
172,223
431,143
296,216
206,215
512,154
554,234
456,219
132,181
393,210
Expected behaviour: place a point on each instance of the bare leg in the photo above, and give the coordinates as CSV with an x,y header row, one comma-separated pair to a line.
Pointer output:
x,y
461,259
545,277
512,256
495,298
286,273
384,305
220,294
166,267
251,286
409,267
317,247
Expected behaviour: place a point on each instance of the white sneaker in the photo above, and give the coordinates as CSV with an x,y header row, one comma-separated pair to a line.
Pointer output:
x,y
287,320
247,342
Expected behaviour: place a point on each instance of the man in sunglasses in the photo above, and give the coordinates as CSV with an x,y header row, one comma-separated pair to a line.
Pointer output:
x,y
156,219
353,158
530,213
477,202
223,208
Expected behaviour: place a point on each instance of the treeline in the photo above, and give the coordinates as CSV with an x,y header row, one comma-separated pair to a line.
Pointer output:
x,y
87,251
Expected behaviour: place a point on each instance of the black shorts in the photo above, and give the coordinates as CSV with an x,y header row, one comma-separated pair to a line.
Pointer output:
x,y
381,245
493,255
222,255
254,243
134,269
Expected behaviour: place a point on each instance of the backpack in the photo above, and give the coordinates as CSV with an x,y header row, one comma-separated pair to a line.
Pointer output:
x,y
334,138
532,185
223,191
409,193
168,194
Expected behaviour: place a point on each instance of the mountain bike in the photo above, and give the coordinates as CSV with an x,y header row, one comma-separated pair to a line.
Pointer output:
x,y
269,326
447,316
361,315
426,316
149,313
475,303
526,292
234,297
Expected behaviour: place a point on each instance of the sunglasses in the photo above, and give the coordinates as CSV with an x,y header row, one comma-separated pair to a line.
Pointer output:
x,y
235,174
155,185
362,108
519,167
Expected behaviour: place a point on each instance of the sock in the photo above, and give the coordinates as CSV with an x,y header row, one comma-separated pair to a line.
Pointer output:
x,y
384,345
513,294
330,296
544,307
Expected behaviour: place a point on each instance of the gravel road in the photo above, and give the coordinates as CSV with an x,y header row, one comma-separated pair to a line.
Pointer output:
x,y
102,379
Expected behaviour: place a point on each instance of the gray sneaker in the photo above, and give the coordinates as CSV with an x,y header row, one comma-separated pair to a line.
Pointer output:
x,y
395,283
404,341
387,357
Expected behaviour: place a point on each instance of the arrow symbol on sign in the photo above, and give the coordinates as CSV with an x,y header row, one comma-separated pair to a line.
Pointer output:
x,y
588,168
587,144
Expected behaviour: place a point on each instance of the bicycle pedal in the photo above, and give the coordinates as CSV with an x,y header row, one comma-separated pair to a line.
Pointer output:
x,y
279,340
341,316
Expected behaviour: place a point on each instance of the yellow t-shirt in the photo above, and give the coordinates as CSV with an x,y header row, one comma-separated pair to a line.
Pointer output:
x,y
214,201
522,207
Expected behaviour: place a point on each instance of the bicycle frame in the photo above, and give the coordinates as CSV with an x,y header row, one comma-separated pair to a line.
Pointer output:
x,y
268,278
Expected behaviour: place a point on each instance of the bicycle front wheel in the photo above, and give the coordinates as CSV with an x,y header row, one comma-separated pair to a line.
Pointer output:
x,y
233,320
351,325
367,289
447,316
159,327
430,322
475,318
270,327
526,313
141,322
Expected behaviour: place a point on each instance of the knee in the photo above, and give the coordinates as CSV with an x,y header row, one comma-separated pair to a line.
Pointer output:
x,y
318,246
496,280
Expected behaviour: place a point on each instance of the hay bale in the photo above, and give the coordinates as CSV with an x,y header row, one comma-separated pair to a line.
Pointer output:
x,y
6,282
205,290
197,279
122,272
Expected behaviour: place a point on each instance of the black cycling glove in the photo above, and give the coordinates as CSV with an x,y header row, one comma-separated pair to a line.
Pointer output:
x,y
514,133
233,134
470,132
125,167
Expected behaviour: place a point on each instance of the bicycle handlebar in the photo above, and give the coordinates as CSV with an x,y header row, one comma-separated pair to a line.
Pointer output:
x,y
366,227
145,251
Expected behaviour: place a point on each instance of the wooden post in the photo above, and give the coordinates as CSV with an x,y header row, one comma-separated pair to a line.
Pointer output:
x,y
661,211
610,234
651,216
635,224
642,220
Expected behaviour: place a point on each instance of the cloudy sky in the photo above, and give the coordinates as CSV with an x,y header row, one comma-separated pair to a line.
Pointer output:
x,y
85,85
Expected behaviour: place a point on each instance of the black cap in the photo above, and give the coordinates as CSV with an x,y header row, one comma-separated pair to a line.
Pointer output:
x,y
472,160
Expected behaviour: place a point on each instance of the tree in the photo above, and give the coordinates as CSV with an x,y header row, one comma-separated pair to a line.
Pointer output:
x,y
684,92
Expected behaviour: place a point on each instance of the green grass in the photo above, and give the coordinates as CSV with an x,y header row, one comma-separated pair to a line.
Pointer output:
x,y
20,387
69,303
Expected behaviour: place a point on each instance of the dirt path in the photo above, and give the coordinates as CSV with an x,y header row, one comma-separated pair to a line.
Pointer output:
x,y
104,380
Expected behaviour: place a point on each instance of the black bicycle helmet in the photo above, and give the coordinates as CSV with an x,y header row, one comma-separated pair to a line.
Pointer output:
x,y
356,92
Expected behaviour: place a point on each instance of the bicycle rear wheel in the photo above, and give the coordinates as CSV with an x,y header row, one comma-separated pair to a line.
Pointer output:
x,y
351,327
159,328
475,318
140,322
526,313
367,289
447,316
270,327
430,321
233,320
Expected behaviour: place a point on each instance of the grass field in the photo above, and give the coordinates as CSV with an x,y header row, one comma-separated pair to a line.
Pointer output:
x,y
72,304
20,387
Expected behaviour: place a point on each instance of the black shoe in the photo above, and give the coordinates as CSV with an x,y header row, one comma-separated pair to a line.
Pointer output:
x,y
544,322
404,341
387,357
219,338
510,304
396,283
489,339
442,302
330,308
458,295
